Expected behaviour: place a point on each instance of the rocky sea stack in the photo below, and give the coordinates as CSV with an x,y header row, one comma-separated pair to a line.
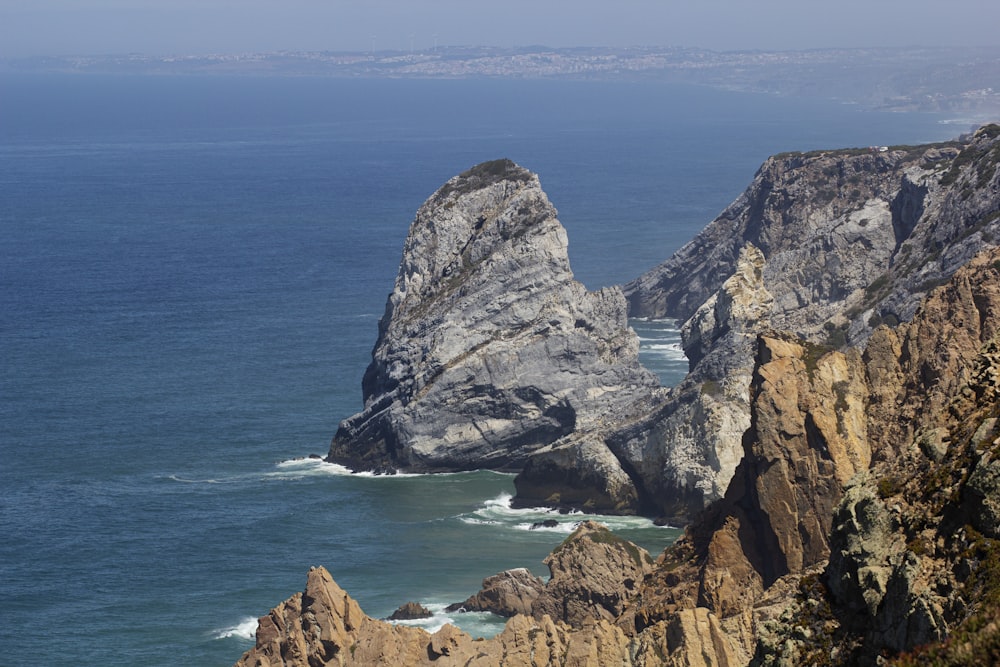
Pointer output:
x,y
489,350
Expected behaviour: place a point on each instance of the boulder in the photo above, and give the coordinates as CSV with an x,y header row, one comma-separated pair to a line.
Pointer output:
x,y
509,593
594,575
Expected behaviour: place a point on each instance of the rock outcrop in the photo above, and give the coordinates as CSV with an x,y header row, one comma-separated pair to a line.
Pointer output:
x,y
862,522
491,355
508,593
852,520
489,350
324,626
593,575
825,245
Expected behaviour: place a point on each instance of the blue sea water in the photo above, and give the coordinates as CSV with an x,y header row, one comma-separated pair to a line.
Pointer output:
x,y
192,271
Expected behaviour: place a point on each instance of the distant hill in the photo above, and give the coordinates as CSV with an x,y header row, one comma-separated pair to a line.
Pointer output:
x,y
905,79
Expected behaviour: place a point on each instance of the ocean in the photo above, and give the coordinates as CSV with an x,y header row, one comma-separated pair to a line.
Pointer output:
x,y
192,273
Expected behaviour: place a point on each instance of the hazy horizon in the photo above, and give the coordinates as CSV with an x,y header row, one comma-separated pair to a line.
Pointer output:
x,y
163,27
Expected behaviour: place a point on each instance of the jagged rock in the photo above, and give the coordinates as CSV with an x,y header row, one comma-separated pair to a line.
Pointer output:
x,y
694,638
739,306
846,240
877,469
324,626
898,548
862,541
489,349
594,574
410,611
579,471
491,355
807,438
820,420
508,593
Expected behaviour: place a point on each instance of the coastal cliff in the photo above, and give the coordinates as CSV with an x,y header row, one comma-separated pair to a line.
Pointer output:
x,y
861,527
490,354
825,245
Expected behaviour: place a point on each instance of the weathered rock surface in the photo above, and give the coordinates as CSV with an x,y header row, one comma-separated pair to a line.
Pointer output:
x,y
508,593
491,355
825,245
863,518
840,540
324,626
489,350
839,485
594,575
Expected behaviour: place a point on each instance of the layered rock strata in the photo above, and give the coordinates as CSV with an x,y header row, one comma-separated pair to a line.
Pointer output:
x,y
863,517
593,575
490,355
489,350
862,521
825,245
854,525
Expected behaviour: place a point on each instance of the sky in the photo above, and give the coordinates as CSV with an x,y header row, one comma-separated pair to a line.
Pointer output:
x,y
170,27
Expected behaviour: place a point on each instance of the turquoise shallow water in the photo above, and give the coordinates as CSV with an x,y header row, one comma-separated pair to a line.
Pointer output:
x,y
192,272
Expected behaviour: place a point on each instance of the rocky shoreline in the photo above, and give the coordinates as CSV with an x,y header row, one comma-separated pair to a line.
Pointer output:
x,y
835,444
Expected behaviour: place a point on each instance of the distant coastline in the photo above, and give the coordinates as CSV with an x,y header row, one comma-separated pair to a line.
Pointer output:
x,y
893,79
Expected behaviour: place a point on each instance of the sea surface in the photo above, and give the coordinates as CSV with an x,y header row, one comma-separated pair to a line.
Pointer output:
x,y
191,275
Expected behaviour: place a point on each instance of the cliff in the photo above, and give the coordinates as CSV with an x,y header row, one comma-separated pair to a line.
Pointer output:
x,y
825,245
489,350
490,354
861,520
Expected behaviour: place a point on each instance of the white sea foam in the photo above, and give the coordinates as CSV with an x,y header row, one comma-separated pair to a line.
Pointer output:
x,y
302,467
477,624
245,629
671,350
311,466
498,511
182,480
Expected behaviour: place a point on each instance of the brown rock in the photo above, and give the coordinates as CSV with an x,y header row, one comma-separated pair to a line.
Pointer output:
x,y
324,626
594,575
509,593
694,638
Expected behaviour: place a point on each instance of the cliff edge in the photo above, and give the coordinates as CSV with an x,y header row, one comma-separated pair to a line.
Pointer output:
x,y
860,523
826,245
862,527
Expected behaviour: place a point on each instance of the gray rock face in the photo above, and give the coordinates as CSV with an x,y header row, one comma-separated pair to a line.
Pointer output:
x,y
826,245
489,349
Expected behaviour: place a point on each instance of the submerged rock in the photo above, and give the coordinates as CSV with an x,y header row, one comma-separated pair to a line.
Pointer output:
x,y
410,611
